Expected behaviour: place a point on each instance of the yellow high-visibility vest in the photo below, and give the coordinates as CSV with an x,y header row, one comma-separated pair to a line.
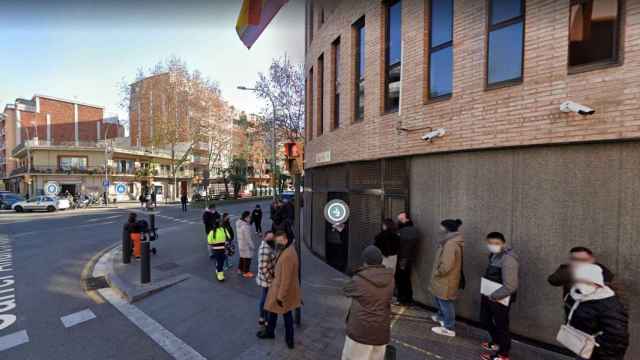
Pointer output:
x,y
218,237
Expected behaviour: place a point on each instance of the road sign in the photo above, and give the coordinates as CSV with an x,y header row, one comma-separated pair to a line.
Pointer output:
x,y
51,188
336,211
121,188
105,183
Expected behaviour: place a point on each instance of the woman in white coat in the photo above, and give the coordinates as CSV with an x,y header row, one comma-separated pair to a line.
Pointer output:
x,y
246,246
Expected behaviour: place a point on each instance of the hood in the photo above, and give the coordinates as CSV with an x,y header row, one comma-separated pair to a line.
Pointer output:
x,y
378,275
507,251
453,236
602,293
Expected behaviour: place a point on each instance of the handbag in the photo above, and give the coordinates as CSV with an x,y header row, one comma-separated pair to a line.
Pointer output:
x,y
579,342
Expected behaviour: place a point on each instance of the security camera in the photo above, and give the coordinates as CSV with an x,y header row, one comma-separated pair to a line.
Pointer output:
x,y
570,106
433,134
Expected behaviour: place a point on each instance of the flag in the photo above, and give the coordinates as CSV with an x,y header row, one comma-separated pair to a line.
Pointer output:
x,y
254,17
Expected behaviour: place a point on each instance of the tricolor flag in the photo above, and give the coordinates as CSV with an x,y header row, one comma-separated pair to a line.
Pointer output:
x,y
254,17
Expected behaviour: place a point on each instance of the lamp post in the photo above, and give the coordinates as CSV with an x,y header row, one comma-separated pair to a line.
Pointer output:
x,y
273,145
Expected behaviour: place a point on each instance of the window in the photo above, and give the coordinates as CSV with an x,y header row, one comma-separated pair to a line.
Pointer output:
x,y
393,56
320,94
72,162
335,123
593,32
310,22
506,41
441,49
359,31
310,107
321,16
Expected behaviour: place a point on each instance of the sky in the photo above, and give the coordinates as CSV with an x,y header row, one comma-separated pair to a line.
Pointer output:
x,y
83,50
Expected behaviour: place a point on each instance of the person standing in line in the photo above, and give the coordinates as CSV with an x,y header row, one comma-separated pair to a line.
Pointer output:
x,y
184,200
256,219
503,268
266,267
369,317
230,247
406,251
217,240
388,242
209,219
595,309
245,245
577,256
447,276
284,294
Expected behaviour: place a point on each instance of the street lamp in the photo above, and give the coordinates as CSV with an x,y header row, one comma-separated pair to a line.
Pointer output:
x,y
273,145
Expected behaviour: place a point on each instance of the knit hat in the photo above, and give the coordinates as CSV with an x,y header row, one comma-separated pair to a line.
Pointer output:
x,y
589,273
451,225
372,255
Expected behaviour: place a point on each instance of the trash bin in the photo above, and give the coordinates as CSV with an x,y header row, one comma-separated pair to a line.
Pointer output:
x,y
136,238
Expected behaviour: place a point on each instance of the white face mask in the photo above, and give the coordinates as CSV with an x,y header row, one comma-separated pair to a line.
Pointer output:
x,y
585,289
494,249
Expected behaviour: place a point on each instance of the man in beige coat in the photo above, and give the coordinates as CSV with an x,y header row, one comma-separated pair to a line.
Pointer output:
x,y
284,295
447,277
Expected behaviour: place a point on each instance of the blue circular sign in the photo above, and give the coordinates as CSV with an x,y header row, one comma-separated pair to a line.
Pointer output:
x,y
52,188
336,211
121,188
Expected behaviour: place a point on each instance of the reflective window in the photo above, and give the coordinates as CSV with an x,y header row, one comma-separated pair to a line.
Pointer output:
x,y
506,41
593,32
393,58
72,162
359,30
320,94
311,91
336,84
441,49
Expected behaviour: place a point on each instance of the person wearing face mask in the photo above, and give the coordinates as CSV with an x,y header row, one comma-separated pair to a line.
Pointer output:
x,y
562,276
266,266
596,310
503,269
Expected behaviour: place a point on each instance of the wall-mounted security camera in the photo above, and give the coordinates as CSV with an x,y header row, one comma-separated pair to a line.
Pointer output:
x,y
570,106
433,134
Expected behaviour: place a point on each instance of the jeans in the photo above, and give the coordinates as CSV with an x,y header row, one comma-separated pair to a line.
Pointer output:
x,y
220,258
288,325
495,319
184,207
446,312
258,225
263,297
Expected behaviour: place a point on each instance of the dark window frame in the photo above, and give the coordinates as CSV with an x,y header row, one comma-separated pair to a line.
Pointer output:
x,y
357,76
501,25
617,44
311,22
431,49
320,95
310,108
387,68
336,53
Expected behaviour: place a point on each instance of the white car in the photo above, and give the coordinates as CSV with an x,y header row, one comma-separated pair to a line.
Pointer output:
x,y
46,203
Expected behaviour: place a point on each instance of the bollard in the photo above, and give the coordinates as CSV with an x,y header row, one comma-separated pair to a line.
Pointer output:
x,y
145,263
152,226
126,247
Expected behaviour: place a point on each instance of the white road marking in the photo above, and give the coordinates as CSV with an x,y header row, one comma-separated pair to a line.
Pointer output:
x,y
13,340
77,318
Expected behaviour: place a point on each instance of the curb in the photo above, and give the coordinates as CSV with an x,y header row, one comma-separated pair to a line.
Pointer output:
x,y
104,267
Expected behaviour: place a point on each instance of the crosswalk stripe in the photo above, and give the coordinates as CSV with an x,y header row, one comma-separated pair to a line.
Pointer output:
x,y
77,318
13,340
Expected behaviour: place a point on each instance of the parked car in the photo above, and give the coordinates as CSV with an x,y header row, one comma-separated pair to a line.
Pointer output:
x,y
46,203
7,199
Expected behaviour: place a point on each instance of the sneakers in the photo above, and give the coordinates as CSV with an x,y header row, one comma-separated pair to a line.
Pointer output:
x,y
487,356
489,346
441,330
437,320
220,275
248,275
265,335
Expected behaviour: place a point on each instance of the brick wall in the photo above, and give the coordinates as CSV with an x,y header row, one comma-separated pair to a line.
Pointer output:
x,y
523,114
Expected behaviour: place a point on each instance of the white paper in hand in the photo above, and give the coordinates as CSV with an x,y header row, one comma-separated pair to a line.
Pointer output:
x,y
487,287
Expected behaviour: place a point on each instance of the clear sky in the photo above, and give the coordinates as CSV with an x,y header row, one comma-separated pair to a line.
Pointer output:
x,y
79,50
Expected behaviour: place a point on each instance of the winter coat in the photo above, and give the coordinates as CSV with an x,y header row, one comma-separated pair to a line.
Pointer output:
x,y
209,219
406,252
602,312
388,242
506,266
286,284
447,267
245,242
256,216
369,317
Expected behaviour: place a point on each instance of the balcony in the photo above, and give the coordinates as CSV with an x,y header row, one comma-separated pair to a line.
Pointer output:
x,y
55,170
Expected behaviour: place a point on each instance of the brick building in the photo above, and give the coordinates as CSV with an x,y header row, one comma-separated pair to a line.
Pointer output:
x,y
492,74
49,120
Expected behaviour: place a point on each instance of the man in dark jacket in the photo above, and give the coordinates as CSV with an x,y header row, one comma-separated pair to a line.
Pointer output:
x,y
408,239
503,269
256,218
369,318
578,255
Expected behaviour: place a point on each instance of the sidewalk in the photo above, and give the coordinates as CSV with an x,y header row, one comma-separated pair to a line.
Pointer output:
x,y
219,320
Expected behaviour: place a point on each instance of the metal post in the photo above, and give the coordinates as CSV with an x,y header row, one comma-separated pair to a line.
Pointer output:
x,y
273,149
145,262
297,232
126,247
